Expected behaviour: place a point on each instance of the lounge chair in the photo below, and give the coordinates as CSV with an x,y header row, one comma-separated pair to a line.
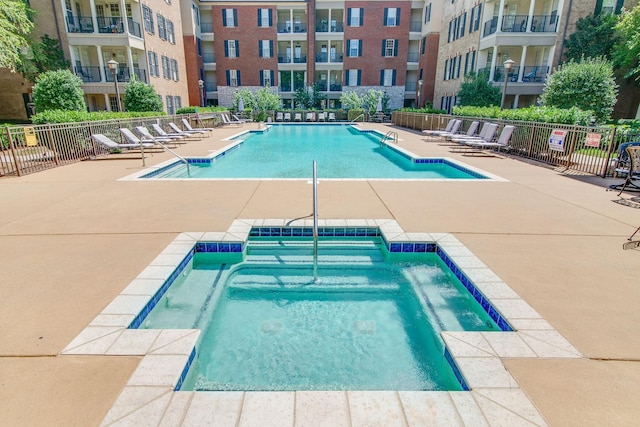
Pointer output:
x,y
146,135
447,128
109,144
160,133
502,142
187,126
132,139
487,133
311,117
177,130
321,117
470,133
227,121
633,173
238,119
439,134
297,117
279,116
332,117
287,117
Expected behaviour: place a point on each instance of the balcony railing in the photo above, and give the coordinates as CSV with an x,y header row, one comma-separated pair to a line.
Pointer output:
x,y
292,28
333,87
287,59
498,74
210,86
116,25
333,27
209,58
410,86
88,74
285,87
141,74
535,74
413,56
123,74
79,24
415,26
518,24
206,27
325,57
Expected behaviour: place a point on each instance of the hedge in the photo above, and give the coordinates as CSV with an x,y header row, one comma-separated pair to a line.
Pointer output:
x,y
62,116
573,115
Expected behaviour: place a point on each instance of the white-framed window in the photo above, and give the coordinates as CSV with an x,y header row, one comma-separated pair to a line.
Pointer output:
x,y
388,78
233,77
389,49
265,47
147,18
355,16
114,8
352,77
171,36
392,16
229,17
266,77
264,17
427,13
231,49
354,48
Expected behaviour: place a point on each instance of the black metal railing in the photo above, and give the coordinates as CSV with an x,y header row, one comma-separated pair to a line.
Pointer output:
x,y
490,27
209,58
292,28
413,56
79,24
124,75
534,74
210,86
327,57
415,26
134,28
544,23
206,27
141,74
498,74
514,23
88,74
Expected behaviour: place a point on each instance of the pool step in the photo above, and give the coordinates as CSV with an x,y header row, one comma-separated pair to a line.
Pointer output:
x,y
329,252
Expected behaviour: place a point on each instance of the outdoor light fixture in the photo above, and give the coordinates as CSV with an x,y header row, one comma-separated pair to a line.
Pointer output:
x,y
201,86
507,67
113,66
420,83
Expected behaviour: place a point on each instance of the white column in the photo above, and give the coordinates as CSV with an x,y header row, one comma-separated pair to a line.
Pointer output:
x,y
523,58
500,16
123,14
516,98
130,61
103,77
532,6
494,58
107,102
94,15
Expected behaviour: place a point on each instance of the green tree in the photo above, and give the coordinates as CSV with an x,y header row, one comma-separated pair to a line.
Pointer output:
x,y
476,91
588,85
58,90
302,99
317,96
139,96
627,52
15,26
595,36
266,100
350,100
46,55
369,100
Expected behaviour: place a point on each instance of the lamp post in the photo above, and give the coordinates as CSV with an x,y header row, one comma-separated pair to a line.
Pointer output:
x,y
420,83
507,67
113,66
201,86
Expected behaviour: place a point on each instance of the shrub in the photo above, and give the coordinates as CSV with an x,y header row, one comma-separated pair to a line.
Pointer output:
x,y
476,90
571,115
58,90
139,96
192,109
61,116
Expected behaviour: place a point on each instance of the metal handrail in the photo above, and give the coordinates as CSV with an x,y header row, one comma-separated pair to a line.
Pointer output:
x,y
315,223
392,135
182,159
356,119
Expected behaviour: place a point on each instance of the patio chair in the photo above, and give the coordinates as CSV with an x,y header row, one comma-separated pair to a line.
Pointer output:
x,y
441,134
502,142
287,117
146,135
279,116
321,117
187,126
160,133
238,119
227,121
109,144
471,131
633,173
311,117
332,117
187,133
487,133
297,117
447,128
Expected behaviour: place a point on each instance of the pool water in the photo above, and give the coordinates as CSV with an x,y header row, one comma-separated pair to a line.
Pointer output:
x,y
368,323
341,151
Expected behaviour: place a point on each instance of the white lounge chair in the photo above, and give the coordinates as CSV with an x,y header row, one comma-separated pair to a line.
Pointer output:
x,y
321,117
487,133
430,132
146,135
177,130
279,116
227,121
160,133
109,144
238,119
332,117
297,117
470,133
502,142
439,134
311,117
287,117
187,126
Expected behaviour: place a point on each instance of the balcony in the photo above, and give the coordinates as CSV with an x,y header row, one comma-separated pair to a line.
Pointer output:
x,y
530,74
325,58
518,24
413,56
209,58
333,27
286,59
333,87
206,27
79,24
211,86
124,74
514,23
415,26
88,74
116,25
544,24
287,27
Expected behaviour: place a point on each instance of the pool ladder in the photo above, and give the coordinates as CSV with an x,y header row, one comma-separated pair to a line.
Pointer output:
x,y
392,135
182,159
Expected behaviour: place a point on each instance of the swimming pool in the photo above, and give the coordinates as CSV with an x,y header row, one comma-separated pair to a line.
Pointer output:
x,y
372,321
340,151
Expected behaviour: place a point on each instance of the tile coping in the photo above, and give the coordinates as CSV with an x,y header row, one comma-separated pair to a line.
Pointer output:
x,y
150,395
236,141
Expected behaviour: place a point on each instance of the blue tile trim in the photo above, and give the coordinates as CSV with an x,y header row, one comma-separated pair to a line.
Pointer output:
x,y
477,295
137,321
456,371
185,371
308,232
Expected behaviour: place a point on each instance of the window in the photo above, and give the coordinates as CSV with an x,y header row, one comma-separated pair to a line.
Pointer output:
x,y
476,13
389,48
353,77
199,46
391,16
355,47
457,62
463,24
265,48
173,70
114,8
162,30
171,36
231,48
265,18
165,67
266,77
153,64
446,69
424,44
230,17
147,17
427,13
387,77
233,77
355,16
170,107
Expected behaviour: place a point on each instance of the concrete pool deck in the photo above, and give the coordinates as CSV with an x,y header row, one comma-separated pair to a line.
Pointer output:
x,y
72,238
